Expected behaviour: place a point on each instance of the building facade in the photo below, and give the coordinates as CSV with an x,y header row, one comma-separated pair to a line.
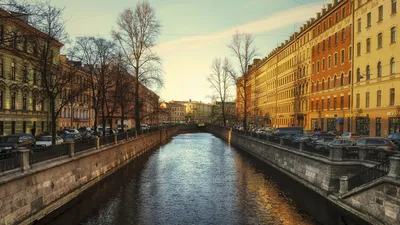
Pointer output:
x,y
174,112
376,99
197,111
330,69
21,100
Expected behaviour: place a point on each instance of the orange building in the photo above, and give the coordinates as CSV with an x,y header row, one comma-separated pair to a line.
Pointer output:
x,y
331,58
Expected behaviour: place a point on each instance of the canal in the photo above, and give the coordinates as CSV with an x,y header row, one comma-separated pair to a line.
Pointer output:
x,y
199,179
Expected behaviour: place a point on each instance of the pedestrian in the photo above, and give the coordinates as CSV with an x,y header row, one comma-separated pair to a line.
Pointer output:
x,y
33,131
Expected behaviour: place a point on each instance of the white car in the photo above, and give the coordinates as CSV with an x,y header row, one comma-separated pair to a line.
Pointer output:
x,y
44,141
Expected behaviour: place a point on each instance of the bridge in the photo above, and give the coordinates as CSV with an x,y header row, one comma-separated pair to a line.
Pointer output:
x,y
34,184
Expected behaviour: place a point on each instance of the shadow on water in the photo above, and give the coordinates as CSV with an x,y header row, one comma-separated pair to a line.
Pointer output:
x,y
159,183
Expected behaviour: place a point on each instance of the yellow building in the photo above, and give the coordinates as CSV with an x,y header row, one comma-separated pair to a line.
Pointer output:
x,y
376,80
20,86
197,111
173,112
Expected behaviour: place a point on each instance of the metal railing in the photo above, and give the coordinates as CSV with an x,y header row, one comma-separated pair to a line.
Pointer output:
x,y
48,152
369,175
275,139
378,155
289,143
350,152
318,151
104,140
9,161
121,137
83,145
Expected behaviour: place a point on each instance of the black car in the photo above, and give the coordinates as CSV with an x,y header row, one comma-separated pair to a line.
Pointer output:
x,y
288,130
71,137
12,142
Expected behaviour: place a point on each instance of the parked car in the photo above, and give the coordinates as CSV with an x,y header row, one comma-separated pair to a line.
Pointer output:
x,y
395,138
44,141
12,142
301,138
340,143
377,143
86,135
321,143
71,137
351,135
288,130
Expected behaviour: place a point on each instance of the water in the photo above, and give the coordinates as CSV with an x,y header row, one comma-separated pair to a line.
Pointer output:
x,y
199,179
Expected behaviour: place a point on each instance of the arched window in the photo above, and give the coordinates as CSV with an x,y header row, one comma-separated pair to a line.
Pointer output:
x,y
317,87
329,83
334,81
367,73
350,77
379,69
392,66
358,74
342,79
323,84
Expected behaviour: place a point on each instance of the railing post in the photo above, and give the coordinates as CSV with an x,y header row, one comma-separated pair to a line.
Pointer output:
x,y
301,146
344,185
135,133
71,148
127,136
335,154
24,157
115,139
97,142
362,153
394,169
281,141
268,138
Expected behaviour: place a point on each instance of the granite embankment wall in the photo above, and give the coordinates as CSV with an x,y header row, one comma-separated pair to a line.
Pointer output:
x,y
32,194
377,202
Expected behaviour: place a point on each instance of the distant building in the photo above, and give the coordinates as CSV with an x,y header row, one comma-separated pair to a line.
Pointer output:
x,y
197,111
172,112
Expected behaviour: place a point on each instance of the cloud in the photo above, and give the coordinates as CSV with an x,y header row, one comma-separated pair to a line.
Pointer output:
x,y
276,21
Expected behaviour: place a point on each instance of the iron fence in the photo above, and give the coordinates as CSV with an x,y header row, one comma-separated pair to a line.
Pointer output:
x,y
350,152
289,143
369,175
378,155
104,140
83,145
319,151
275,139
9,161
121,137
263,137
48,152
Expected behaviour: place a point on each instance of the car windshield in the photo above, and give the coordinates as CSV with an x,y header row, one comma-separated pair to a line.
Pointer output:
x,y
69,136
44,138
10,139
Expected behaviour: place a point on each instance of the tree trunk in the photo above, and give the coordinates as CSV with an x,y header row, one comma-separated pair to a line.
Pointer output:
x,y
137,103
223,112
122,115
53,120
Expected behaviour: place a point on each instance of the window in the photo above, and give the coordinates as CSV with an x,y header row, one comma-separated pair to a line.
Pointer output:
x,y
323,64
324,27
379,69
329,83
368,45
349,99
312,106
13,40
367,100
380,13
318,48
378,98
394,6
350,53
334,81
343,34
379,40
336,38
359,3
12,71
1,99
13,127
317,105
358,49
323,45
341,102
1,35
328,104
25,44
13,99
34,103
342,56
369,19
393,35
318,67
330,21
358,75
336,59
392,66
24,127
317,86
378,126
358,101
392,99
34,77
336,17
342,79
359,25
24,106
25,74
1,68
367,73
334,103
329,41
329,61
323,84
344,12
1,128
350,77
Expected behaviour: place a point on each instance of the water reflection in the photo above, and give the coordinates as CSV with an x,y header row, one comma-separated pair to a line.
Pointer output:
x,y
195,179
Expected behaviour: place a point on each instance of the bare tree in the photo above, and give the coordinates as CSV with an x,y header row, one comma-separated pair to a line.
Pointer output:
x,y
98,55
136,35
242,46
221,81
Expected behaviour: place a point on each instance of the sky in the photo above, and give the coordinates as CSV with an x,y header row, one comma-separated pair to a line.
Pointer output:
x,y
194,32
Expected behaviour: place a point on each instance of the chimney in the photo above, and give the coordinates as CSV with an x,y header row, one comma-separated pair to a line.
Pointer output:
x,y
308,22
334,2
248,67
318,15
312,20
323,11
255,61
329,6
